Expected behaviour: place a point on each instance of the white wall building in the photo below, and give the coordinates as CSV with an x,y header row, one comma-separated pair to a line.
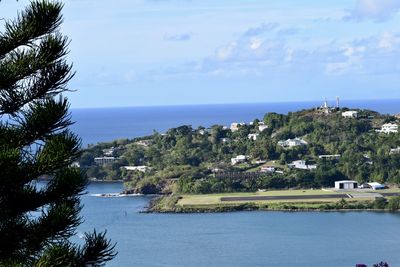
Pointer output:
x,y
267,169
394,151
136,168
336,156
301,164
389,128
292,142
235,126
104,160
346,184
252,136
350,114
238,159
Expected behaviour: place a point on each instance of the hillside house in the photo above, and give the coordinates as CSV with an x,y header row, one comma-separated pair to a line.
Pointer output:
x,y
292,143
350,114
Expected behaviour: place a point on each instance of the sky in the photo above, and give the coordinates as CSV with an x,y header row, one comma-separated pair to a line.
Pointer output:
x,y
184,52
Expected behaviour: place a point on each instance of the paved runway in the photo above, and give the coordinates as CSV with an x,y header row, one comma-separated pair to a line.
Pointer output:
x,y
255,198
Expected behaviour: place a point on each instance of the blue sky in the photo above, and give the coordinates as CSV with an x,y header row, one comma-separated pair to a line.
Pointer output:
x,y
174,52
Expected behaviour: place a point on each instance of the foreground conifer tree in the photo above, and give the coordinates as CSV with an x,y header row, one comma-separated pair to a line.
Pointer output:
x,y
37,223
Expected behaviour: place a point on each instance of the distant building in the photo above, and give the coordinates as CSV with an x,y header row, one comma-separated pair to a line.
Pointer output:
x,y
350,114
235,126
104,160
397,116
394,151
109,152
143,142
336,156
262,126
238,159
389,128
252,137
292,143
267,169
136,168
301,164
346,184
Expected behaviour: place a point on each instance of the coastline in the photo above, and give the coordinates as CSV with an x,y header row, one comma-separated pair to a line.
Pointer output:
x,y
169,204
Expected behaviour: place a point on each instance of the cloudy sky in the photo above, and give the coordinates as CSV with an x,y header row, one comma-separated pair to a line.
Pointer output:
x,y
173,52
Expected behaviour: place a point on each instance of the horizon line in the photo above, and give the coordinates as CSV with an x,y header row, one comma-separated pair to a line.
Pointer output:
x,y
235,103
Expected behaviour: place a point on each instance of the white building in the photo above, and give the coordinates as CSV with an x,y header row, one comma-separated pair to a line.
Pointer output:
x,y
389,128
346,184
301,164
267,169
394,151
109,152
238,159
262,126
136,168
292,142
104,160
336,156
252,136
350,114
235,126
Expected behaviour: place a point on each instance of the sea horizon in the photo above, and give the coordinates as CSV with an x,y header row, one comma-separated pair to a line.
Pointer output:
x,y
96,125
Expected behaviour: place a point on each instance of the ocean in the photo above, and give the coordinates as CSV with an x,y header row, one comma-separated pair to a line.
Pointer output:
x,y
108,124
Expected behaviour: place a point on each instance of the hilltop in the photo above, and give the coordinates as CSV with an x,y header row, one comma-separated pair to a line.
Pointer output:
x,y
306,149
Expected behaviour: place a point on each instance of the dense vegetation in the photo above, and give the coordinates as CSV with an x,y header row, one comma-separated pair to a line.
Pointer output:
x,y
188,160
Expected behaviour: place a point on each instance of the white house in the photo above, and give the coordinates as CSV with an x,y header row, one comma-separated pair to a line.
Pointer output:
x,y
389,128
238,159
267,169
346,184
376,186
301,164
252,136
136,168
292,142
394,151
104,160
235,126
350,114
262,126
109,152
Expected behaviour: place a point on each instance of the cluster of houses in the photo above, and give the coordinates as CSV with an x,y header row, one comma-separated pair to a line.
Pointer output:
x,y
389,128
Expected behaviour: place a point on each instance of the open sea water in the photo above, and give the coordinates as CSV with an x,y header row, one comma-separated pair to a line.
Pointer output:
x,y
288,239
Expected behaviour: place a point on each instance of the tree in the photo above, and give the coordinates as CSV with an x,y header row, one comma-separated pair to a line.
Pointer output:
x,y
34,142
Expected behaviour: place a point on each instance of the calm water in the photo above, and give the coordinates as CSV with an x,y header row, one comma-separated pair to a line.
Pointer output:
x,y
101,125
303,239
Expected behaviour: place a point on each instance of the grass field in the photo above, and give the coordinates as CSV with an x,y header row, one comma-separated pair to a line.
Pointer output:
x,y
214,199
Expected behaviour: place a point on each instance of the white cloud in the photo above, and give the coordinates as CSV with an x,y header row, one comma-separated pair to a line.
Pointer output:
x,y
377,10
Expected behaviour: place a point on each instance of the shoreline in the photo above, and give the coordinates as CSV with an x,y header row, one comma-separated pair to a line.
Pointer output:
x,y
169,204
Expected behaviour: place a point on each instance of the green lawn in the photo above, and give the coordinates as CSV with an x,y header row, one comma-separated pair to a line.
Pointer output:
x,y
212,199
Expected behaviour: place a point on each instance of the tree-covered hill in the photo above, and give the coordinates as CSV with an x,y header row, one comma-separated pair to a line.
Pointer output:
x,y
305,149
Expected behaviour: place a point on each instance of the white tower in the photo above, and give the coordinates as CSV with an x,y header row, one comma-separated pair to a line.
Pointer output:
x,y
337,102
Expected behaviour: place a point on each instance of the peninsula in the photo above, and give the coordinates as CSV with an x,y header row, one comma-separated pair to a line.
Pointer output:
x,y
282,162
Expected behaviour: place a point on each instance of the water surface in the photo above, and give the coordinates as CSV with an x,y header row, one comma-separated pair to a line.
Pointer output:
x,y
291,239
